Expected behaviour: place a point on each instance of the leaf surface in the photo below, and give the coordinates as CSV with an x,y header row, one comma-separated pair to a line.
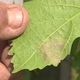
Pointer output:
x,y
53,26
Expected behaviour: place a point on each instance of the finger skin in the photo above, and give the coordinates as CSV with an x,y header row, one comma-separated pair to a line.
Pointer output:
x,y
6,68
6,58
13,21
4,73
3,44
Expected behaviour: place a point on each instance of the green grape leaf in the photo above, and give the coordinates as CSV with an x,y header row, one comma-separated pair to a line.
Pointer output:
x,y
53,26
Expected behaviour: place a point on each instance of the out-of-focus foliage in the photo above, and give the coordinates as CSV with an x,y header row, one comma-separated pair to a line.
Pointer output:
x,y
75,53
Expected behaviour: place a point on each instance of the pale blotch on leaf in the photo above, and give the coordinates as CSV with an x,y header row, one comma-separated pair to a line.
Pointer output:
x,y
51,49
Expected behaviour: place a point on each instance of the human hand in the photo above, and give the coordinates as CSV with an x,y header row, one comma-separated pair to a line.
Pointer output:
x,y
13,19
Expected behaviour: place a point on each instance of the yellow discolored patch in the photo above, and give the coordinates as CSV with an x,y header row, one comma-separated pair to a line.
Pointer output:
x,y
52,49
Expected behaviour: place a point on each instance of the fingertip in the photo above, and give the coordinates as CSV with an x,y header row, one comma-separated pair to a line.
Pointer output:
x,y
4,73
15,23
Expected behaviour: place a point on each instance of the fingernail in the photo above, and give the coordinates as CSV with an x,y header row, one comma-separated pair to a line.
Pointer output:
x,y
15,17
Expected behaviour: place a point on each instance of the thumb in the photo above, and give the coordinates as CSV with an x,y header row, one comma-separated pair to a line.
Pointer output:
x,y
13,21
